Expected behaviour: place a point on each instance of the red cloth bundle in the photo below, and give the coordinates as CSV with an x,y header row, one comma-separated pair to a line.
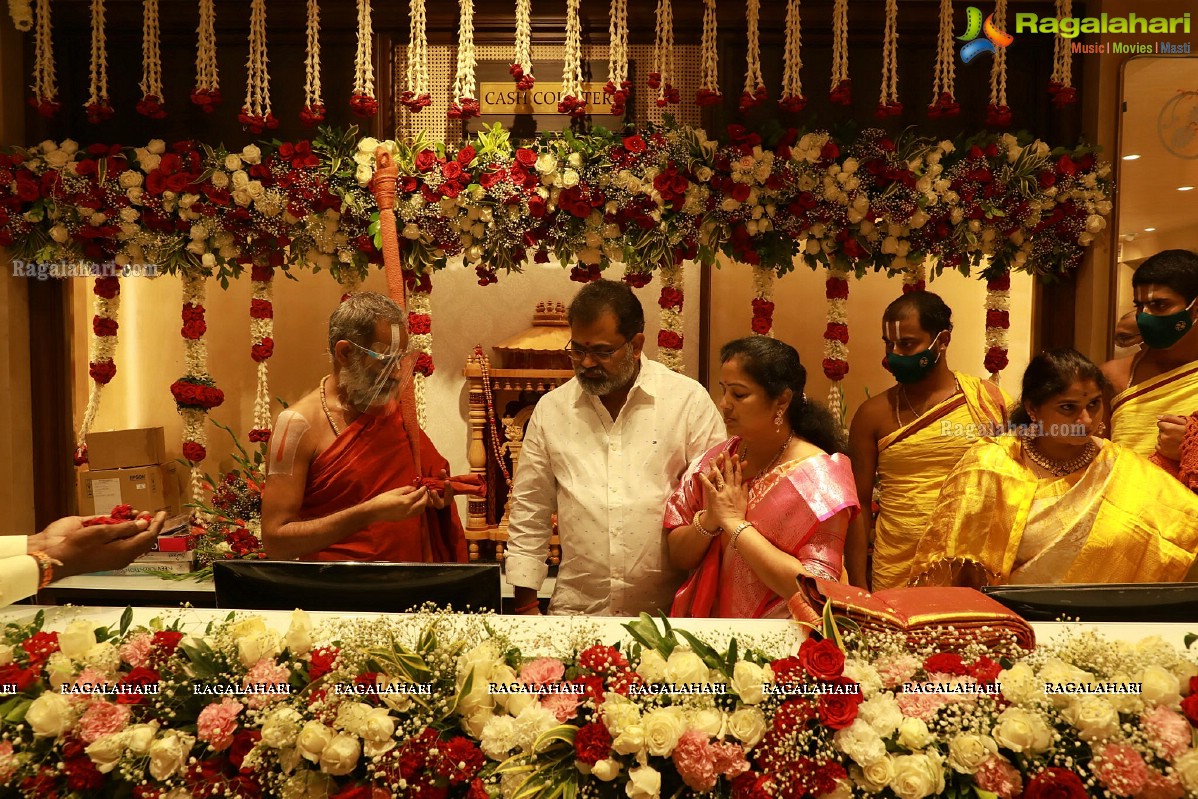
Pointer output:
x,y
469,484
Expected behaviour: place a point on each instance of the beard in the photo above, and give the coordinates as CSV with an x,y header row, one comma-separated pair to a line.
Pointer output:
x,y
364,389
601,383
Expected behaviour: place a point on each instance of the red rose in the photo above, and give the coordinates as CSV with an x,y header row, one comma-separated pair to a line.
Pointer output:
x,y
103,326
102,371
466,155
837,331
999,319
1065,165
1055,783
452,170
263,350
821,659
945,663
996,359
194,329
837,711
836,288
323,660
107,287
419,323
592,743
1000,284
81,774
787,670
762,325
425,160
194,452
1189,706
536,206
635,144
41,645
262,309
671,298
835,368
165,642
262,274
142,677
424,364
669,340
488,179
985,670
526,158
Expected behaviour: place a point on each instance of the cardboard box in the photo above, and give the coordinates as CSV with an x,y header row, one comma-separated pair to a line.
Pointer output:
x,y
119,449
146,488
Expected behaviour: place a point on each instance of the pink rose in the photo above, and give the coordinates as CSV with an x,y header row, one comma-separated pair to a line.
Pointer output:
x,y
542,671
563,706
217,723
1121,769
1168,732
997,775
695,761
265,673
102,718
137,650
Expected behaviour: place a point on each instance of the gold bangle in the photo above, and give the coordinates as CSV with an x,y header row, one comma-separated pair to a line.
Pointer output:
x,y
698,525
45,567
740,528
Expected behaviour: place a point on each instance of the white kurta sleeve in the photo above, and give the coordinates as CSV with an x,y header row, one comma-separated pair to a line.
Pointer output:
x,y
705,425
18,578
534,500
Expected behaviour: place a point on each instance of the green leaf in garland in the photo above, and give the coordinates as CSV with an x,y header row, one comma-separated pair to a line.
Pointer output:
x,y
376,231
126,620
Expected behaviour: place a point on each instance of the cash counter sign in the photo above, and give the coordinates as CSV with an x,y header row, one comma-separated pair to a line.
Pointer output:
x,y
503,99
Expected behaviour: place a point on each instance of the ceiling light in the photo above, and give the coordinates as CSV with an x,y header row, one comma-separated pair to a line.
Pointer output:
x,y
1185,188
1131,157
1149,229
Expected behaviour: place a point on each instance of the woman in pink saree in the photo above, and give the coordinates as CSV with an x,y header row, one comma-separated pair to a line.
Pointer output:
x,y
769,505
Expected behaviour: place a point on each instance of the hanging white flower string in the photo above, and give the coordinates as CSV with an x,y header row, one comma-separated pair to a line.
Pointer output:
x,y
363,102
944,101
262,347
101,365
465,86
206,93
915,277
255,114
709,58
1060,85
21,12
572,102
45,86
521,68
662,77
888,102
670,338
842,87
998,113
151,104
754,92
416,97
792,98
97,105
618,86
313,111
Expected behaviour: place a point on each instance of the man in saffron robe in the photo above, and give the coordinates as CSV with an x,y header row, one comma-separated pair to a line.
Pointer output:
x,y
907,439
342,468
1157,387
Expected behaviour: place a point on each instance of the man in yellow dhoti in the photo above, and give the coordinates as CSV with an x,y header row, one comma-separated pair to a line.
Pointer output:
x,y
1058,504
1158,385
908,438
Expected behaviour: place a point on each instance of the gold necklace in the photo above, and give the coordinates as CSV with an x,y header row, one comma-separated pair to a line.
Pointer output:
x,y
324,405
774,462
1060,468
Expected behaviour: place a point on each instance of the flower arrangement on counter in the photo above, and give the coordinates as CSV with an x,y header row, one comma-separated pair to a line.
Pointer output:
x,y
441,705
648,198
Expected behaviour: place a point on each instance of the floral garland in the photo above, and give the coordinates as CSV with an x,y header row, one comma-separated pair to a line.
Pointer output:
x,y
998,322
944,101
350,281
841,92
262,347
195,393
998,113
206,93
836,337
152,103
99,109
618,87
521,67
465,85
313,111
363,102
21,12
255,113
415,96
572,102
915,278
763,301
754,92
792,98
1060,85
709,58
888,103
101,364
420,337
661,79
670,335
45,86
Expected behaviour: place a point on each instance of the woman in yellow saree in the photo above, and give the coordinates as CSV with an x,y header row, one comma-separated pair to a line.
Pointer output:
x,y
1054,503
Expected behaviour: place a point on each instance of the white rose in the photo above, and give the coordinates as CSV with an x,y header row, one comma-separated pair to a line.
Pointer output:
x,y
747,681
546,162
684,666
1020,731
1186,769
77,639
378,731
220,179
652,667
232,162
914,734
480,699
350,716
630,742
299,634
50,715
156,146
104,657
251,154
878,774
340,755
644,782
968,751
861,743
916,776
620,713
1160,686
498,737
281,728
168,754
606,769
308,784
1019,684
363,174
57,158
5,654
747,725
240,180
480,660
258,646
149,162
707,720
368,145
1094,717
663,727
313,739
106,752
135,194
139,737
59,233
568,179
882,713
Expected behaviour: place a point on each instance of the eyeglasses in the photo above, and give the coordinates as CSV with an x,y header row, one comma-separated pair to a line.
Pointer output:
x,y
578,354
382,356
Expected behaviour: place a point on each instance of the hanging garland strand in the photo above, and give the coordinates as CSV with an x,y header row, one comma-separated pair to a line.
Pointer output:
x,y
101,364
944,101
313,111
998,113
763,301
420,336
998,322
262,346
836,337
416,97
206,93
661,78
709,66
255,114
363,102
1060,85
97,105
618,86
888,103
792,98
45,86
465,86
572,102
670,336
754,92
842,87
521,68
151,104
195,393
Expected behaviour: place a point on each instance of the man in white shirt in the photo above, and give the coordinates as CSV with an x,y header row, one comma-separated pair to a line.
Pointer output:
x,y
67,548
604,452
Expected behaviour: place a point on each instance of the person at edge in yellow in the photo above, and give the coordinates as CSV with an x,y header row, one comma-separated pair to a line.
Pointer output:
x,y
1157,387
909,437
1054,502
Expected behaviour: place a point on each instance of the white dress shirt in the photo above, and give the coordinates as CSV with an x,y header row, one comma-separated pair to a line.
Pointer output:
x,y
608,481
19,573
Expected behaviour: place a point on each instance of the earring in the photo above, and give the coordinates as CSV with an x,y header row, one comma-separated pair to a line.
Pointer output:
x,y
778,421
1101,429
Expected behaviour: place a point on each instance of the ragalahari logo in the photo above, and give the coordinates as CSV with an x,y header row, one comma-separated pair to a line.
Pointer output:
x,y
974,46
